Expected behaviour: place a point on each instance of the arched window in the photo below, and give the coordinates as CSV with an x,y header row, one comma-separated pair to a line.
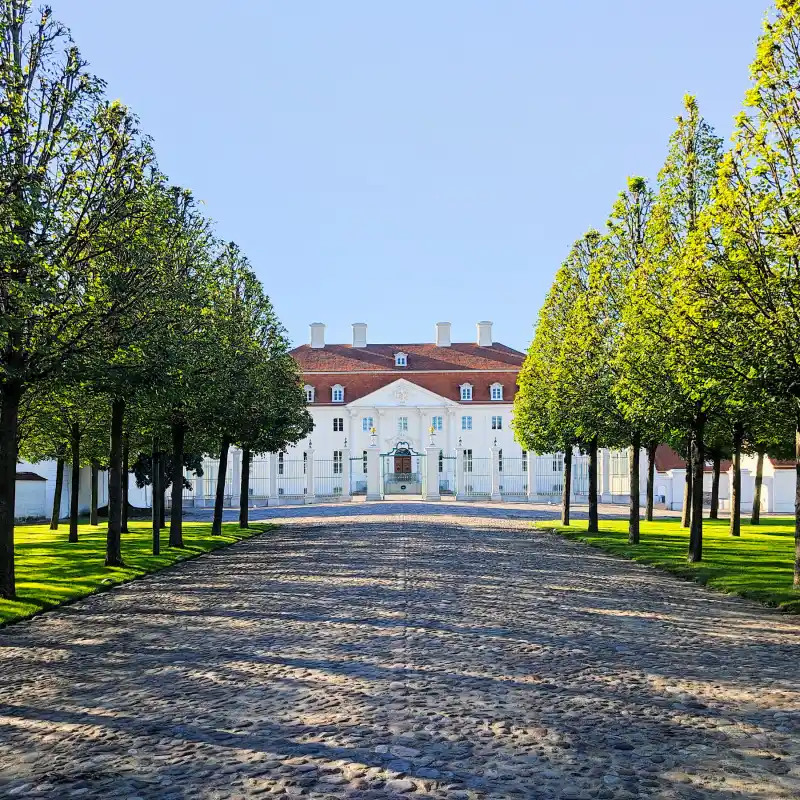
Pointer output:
x,y
337,394
496,391
466,391
309,390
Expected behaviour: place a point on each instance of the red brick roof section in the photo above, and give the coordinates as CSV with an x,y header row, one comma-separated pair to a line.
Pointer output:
x,y
782,463
667,458
380,357
445,384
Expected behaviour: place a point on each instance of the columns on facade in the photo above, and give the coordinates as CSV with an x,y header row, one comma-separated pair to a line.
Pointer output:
x,y
495,464
310,496
272,497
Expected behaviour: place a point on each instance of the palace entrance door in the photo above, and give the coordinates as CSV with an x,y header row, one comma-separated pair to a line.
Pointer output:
x,y
402,471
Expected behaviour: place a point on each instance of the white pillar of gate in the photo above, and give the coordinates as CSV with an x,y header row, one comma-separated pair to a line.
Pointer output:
x,y
236,476
531,458
310,496
495,466
459,451
272,497
432,491
373,473
347,494
199,492
604,479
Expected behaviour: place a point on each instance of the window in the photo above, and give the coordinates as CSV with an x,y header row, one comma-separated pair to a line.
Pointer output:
x,y
400,360
337,462
500,460
280,464
309,390
441,461
366,424
437,423
337,394
338,424
468,461
364,461
558,463
305,463
466,391
496,391
497,423
466,423
524,460
402,424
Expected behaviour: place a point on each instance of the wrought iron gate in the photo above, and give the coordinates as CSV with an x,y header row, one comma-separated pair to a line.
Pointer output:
x,y
402,471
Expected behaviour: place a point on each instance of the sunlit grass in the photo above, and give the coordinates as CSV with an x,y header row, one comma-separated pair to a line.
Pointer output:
x,y
51,571
757,565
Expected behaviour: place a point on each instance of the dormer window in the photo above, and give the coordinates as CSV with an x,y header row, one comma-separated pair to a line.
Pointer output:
x,y
466,391
496,390
337,394
309,390
401,359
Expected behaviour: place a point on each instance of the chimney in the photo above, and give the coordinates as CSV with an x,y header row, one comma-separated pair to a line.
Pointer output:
x,y
318,335
359,334
484,334
443,334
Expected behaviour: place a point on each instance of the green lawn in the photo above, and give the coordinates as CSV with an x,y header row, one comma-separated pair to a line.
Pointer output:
x,y
51,571
757,565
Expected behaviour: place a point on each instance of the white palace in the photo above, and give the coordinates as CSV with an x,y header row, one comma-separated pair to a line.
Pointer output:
x,y
427,420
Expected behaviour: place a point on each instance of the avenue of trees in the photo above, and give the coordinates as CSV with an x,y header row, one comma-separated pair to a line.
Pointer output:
x,y
131,337
679,322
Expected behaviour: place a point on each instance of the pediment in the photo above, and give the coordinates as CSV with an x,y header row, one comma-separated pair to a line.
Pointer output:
x,y
402,393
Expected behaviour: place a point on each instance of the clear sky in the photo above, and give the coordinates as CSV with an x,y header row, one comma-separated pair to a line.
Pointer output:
x,y
400,163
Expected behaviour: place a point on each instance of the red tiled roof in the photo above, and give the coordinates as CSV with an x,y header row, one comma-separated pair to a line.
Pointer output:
x,y
667,459
446,384
380,357
782,463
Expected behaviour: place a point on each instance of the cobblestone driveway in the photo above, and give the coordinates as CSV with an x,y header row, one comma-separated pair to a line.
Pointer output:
x,y
402,656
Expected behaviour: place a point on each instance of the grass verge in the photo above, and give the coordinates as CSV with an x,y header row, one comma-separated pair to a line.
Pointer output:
x,y
51,571
757,565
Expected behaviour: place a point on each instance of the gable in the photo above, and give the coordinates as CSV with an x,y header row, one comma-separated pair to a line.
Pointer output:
x,y
399,393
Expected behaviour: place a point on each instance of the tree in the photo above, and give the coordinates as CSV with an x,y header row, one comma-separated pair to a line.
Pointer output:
x,y
68,163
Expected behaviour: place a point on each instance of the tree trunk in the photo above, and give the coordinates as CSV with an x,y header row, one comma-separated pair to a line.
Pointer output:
x,y
9,432
566,489
57,494
633,470
114,535
698,467
593,515
755,516
714,512
126,476
686,514
75,484
736,482
162,488
797,505
155,493
244,493
176,507
219,495
651,477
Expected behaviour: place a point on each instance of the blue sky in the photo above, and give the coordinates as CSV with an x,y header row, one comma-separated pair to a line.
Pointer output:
x,y
403,163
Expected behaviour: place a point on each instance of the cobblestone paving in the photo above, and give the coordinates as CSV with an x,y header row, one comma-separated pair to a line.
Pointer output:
x,y
416,657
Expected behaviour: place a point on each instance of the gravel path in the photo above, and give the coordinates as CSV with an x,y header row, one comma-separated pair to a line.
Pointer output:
x,y
402,656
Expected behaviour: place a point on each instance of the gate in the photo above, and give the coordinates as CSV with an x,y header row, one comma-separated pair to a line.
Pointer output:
x,y
291,478
549,477
477,476
402,470
513,477
619,473
447,475
358,474
580,476
259,481
329,476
